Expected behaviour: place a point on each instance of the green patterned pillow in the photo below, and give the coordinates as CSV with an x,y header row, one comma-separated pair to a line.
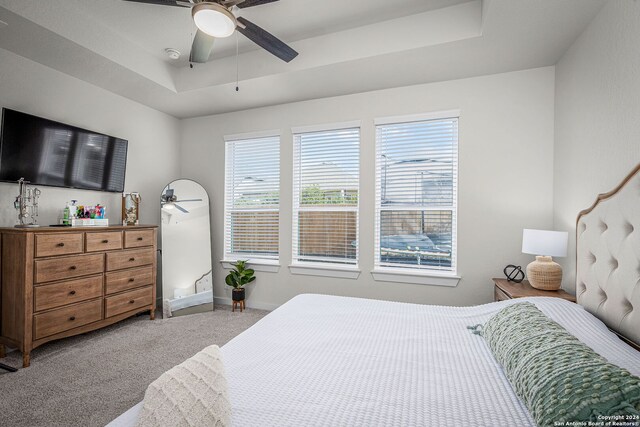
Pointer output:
x,y
559,378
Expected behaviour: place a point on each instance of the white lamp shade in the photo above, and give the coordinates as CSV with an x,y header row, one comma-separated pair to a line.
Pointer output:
x,y
544,242
214,20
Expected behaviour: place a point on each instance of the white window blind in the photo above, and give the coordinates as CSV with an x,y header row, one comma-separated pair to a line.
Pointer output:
x,y
326,169
252,198
416,194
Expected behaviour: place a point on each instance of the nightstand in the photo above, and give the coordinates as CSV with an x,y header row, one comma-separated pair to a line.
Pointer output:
x,y
505,289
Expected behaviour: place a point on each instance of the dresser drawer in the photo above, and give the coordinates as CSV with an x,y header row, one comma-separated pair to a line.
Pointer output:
x,y
118,281
103,241
129,259
52,244
138,238
67,292
128,301
48,270
63,319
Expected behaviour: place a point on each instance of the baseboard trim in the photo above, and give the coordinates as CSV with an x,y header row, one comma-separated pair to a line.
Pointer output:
x,y
248,303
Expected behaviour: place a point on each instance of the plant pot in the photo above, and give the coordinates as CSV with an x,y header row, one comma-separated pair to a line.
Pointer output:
x,y
238,294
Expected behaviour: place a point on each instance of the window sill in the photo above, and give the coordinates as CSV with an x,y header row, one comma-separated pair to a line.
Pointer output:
x,y
257,265
415,277
312,269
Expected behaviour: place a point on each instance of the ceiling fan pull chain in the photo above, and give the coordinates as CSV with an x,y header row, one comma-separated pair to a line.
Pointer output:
x,y
237,65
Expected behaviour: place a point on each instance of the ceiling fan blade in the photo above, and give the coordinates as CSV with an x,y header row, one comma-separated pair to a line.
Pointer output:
x,y
250,3
266,40
189,200
162,2
201,47
180,208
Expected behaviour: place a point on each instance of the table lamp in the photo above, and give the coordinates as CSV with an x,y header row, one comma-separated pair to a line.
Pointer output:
x,y
544,273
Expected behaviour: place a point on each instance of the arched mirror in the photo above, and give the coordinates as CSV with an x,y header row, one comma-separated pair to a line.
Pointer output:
x,y
187,283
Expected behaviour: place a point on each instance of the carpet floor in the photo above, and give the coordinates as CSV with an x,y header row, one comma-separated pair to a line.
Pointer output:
x,y
89,380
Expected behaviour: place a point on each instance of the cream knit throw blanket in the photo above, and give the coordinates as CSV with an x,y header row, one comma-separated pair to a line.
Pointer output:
x,y
194,393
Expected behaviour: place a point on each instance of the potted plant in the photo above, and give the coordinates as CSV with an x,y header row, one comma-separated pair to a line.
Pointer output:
x,y
238,277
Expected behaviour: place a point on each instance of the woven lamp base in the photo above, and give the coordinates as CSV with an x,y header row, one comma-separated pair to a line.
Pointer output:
x,y
545,274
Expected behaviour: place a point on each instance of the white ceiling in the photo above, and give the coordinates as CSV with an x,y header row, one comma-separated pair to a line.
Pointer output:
x,y
155,28
345,46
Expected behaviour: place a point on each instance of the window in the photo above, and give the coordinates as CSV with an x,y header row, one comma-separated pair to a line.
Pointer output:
x,y
325,196
252,198
416,194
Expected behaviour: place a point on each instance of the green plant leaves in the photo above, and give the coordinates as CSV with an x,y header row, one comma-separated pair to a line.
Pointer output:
x,y
240,275
229,280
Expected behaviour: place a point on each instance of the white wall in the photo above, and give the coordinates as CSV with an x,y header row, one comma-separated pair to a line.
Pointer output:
x,y
506,177
153,136
597,126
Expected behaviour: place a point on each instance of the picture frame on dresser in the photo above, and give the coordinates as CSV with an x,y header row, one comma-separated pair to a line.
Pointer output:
x,y
131,208
56,283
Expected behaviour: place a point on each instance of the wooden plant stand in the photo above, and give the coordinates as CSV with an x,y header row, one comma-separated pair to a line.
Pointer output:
x,y
239,304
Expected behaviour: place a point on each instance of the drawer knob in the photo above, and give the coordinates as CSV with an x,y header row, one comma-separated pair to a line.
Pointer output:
x,y
105,241
131,301
60,244
132,280
73,267
72,293
140,239
132,259
72,318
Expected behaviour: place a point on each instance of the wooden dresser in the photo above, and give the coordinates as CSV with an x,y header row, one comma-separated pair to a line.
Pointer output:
x,y
57,282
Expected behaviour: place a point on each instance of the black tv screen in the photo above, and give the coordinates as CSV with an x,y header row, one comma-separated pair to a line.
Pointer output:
x,y
46,152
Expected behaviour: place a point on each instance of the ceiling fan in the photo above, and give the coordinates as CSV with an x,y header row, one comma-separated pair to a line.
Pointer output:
x,y
169,201
219,19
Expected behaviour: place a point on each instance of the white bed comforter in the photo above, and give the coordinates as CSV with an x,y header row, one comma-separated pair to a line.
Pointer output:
x,y
333,361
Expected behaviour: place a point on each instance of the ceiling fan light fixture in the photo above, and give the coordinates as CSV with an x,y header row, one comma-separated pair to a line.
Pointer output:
x,y
214,19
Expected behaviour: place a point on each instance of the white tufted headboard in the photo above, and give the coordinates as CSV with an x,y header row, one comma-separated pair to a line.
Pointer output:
x,y
608,258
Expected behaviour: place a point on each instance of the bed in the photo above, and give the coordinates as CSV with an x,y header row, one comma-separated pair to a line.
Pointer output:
x,y
327,360
202,294
171,306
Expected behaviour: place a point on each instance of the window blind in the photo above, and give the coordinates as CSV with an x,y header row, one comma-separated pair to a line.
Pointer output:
x,y
325,196
252,198
416,194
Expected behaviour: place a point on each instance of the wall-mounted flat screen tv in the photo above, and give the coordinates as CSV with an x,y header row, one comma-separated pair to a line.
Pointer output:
x,y
46,152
